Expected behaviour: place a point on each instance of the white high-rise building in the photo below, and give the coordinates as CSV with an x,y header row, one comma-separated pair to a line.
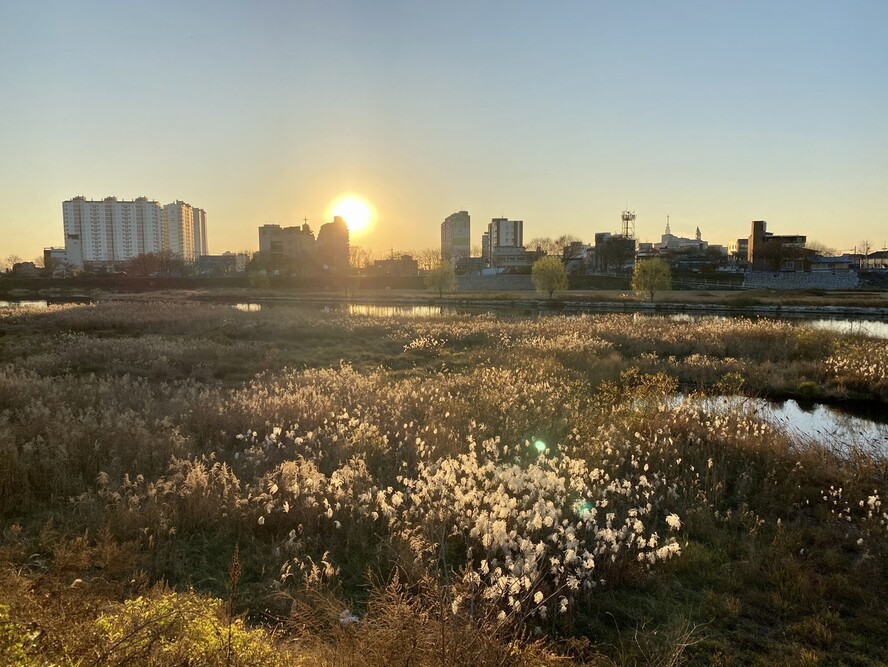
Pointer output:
x,y
200,232
456,236
178,230
110,231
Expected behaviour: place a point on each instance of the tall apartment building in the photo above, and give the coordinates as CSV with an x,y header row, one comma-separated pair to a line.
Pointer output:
x,y
178,230
109,232
106,232
456,236
505,241
200,232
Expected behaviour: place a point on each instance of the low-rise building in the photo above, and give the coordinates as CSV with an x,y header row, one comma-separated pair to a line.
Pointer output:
x,y
403,265
772,252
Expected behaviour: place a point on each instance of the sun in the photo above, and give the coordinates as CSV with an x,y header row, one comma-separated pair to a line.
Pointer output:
x,y
355,210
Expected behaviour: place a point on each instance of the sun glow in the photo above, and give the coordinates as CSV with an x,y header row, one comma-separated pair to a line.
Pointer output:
x,y
355,210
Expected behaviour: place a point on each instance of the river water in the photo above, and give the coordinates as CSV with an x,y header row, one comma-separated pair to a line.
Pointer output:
x,y
832,427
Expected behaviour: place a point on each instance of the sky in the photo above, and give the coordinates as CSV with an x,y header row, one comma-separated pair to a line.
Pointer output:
x,y
560,114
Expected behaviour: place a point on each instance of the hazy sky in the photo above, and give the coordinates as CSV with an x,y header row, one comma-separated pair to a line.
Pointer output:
x,y
556,113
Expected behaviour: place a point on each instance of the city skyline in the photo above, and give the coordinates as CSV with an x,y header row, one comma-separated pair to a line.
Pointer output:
x,y
559,116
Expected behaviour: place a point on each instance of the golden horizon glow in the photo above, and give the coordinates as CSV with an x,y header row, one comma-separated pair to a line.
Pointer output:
x,y
355,210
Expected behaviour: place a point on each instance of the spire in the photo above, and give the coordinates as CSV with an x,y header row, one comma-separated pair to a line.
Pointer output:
x,y
699,237
667,225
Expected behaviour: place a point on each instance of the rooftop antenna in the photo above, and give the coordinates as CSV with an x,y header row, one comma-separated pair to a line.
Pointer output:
x,y
628,218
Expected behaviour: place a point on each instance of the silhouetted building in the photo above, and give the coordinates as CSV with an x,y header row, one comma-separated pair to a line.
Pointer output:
x,y
200,232
25,269
287,249
286,242
226,264
404,265
770,252
333,245
55,261
456,236
613,252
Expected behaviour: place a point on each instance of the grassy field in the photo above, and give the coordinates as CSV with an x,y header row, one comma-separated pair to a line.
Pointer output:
x,y
186,483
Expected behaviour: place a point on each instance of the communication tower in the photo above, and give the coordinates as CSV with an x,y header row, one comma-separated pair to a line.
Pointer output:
x,y
628,218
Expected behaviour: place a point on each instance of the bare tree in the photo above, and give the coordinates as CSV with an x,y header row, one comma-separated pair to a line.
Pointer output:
x,y
428,258
820,249
864,247
359,258
544,243
144,264
169,262
563,242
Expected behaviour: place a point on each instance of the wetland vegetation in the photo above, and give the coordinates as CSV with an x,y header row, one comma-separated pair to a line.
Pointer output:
x,y
192,483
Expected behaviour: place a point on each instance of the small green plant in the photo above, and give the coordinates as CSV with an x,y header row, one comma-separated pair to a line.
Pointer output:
x,y
13,640
166,628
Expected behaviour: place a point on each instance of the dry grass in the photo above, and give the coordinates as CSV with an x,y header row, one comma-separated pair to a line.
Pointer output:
x,y
407,487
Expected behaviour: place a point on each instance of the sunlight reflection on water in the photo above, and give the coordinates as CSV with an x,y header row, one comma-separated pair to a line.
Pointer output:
x,y
397,311
823,424
24,304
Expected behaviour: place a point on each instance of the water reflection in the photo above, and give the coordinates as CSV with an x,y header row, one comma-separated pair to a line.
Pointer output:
x,y
24,304
825,425
397,311
828,426
863,327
